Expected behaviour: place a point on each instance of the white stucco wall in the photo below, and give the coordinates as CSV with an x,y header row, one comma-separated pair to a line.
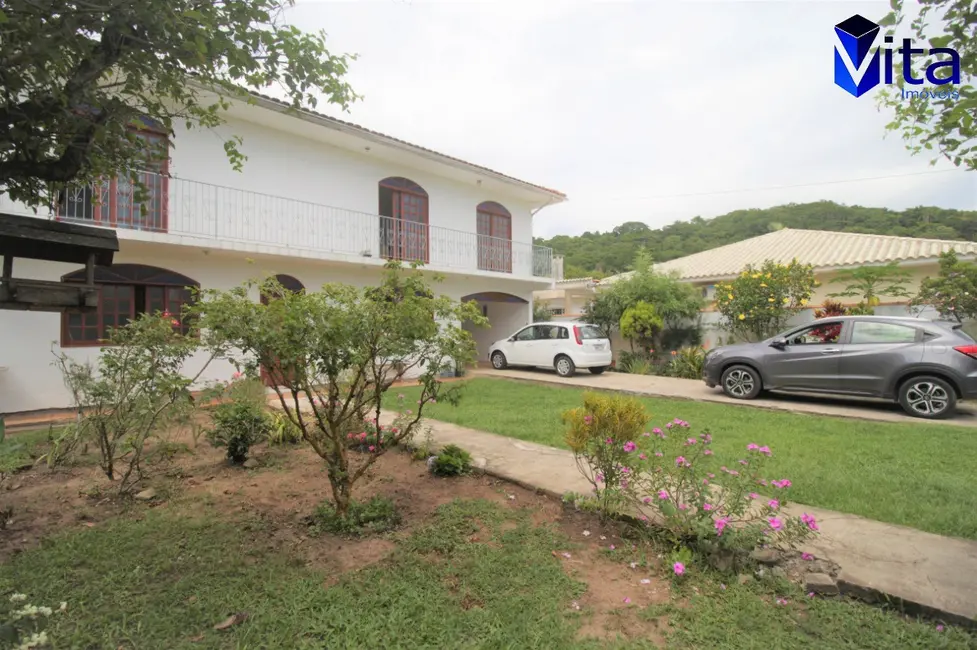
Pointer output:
x,y
30,382
505,318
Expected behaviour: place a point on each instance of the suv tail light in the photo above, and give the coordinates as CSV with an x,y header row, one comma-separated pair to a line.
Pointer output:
x,y
969,350
577,335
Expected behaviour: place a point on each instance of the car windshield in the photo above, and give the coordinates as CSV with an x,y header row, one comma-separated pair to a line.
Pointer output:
x,y
588,332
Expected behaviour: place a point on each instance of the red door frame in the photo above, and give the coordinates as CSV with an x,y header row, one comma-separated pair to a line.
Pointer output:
x,y
402,250
494,210
290,283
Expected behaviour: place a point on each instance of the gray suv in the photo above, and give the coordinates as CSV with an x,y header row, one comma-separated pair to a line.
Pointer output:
x,y
924,365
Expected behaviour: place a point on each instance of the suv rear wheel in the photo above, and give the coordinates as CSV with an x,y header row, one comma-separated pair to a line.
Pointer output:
x,y
928,397
741,382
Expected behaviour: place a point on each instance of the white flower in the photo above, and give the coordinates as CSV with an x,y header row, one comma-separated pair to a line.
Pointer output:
x,y
16,598
586,533
63,607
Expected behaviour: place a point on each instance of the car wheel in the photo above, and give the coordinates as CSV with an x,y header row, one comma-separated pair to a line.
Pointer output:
x,y
599,370
928,397
499,361
564,366
741,382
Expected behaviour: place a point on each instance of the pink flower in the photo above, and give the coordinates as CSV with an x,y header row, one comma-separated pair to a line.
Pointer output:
x,y
658,432
810,594
807,556
608,441
764,450
587,419
627,601
663,495
599,478
781,601
669,425
647,500
744,462
678,568
683,506
773,503
624,483
236,375
707,452
809,520
754,495
363,436
630,446
711,475
775,523
680,461
611,547
707,507
939,628
349,436
659,454
705,481
643,456
645,435
706,438
372,448
690,441
721,524
752,446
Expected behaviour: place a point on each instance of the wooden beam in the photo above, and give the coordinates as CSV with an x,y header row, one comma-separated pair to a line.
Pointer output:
x,y
90,270
8,267
46,296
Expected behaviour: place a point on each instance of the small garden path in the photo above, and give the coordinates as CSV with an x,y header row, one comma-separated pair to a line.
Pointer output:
x,y
929,573
694,389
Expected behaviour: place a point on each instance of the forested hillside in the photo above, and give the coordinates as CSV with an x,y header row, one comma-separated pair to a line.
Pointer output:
x,y
597,253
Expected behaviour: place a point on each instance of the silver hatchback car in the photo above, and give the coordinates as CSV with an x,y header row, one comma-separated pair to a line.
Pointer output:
x,y
924,365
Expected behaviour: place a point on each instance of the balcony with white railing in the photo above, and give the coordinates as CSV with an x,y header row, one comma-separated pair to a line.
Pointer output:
x,y
177,210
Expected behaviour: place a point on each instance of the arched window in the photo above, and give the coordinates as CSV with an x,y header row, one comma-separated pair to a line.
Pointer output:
x,y
125,291
494,237
403,220
288,282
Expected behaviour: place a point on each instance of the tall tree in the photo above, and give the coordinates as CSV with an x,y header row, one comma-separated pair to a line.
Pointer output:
x,y
943,125
76,74
952,293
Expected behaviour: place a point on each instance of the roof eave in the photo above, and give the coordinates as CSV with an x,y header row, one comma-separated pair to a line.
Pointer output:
x,y
552,196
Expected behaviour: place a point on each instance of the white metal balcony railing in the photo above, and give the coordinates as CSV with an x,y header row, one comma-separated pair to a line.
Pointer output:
x,y
168,204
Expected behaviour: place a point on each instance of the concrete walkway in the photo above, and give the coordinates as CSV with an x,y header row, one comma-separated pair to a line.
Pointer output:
x,y
936,575
671,387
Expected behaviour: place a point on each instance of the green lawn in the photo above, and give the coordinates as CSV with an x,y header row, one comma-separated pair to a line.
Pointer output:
x,y
163,581
919,475
19,450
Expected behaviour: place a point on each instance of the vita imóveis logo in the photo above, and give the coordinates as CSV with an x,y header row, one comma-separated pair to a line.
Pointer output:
x,y
860,65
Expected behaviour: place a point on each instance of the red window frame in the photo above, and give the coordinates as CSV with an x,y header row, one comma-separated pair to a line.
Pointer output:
x,y
115,206
409,200
115,311
494,228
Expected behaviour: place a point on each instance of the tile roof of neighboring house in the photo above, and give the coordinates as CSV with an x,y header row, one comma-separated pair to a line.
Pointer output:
x,y
384,136
820,248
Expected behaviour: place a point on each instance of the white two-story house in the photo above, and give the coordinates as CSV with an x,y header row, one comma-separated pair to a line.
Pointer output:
x,y
318,200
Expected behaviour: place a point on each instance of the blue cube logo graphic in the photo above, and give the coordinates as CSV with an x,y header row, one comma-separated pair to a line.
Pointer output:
x,y
857,68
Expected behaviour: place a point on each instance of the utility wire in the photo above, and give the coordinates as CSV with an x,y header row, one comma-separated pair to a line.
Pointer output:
x,y
778,187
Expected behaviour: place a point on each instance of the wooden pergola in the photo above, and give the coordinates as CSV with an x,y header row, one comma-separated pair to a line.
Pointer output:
x,y
52,241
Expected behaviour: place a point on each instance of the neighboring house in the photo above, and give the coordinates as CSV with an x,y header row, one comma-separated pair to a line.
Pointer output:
x,y
318,200
828,252
566,299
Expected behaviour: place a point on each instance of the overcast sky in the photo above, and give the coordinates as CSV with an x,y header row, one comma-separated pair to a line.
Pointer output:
x,y
623,106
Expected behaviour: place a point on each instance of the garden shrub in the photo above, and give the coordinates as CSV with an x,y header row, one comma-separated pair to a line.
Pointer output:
x,y
599,434
761,300
281,430
687,363
133,392
378,515
452,461
240,420
673,480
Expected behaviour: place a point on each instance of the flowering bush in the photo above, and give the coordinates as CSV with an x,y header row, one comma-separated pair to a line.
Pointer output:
x,y
760,301
672,479
24,626
601,436
704,503
687,363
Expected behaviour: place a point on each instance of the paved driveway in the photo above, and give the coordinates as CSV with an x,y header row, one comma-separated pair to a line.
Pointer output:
x,y
651,386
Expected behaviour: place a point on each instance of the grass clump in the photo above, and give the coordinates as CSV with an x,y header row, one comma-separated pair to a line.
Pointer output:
x,y
378,515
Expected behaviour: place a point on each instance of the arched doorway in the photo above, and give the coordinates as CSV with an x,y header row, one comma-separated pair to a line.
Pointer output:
x,y
294,285
403,220
506,313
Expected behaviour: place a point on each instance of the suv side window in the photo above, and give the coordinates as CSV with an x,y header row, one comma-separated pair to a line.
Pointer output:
x,y
873,332
528,334
820,334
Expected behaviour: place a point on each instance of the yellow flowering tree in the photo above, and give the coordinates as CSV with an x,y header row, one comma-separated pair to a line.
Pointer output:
x,y
761,300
